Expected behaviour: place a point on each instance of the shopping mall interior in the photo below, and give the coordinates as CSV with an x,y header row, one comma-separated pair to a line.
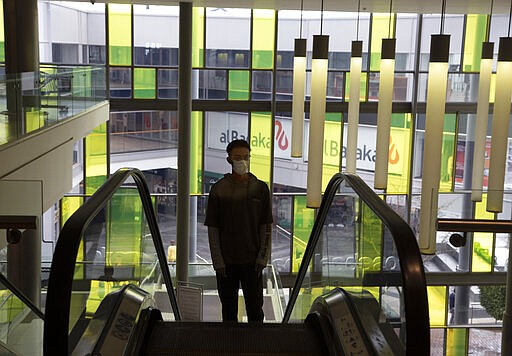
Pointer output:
x,y
144,93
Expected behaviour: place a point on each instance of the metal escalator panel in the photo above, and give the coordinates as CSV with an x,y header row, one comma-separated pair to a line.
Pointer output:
x,y
360,244
111,327
110,241
358,326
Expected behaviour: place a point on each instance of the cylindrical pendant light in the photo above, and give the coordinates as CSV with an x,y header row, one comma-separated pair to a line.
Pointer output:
x,y
433,140
500,122
384,110
482,117
356,61
317,120
299,78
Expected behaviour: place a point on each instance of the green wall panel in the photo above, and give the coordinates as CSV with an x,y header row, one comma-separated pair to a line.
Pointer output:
x,y
238,88
144,83
399,162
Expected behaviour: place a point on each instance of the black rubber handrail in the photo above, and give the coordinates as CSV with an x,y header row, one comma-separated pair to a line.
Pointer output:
x,y
58,300
21,296
417,325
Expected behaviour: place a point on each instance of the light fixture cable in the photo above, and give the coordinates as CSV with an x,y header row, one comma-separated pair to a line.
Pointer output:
x,y
301,8
443,10
488,30
509,18
357,27
322,18
390,12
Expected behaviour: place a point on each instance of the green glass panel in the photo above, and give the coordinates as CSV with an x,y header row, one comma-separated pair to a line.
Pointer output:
x,y
448,153
437,305
333,133
124,230
2,34
369,242
196,153
68,205
362,88
399,154
263,34
382,27
456,341
238,85
261,145
483,242
82,82
96,158
303,220
476,27
197,37
144,83
120,34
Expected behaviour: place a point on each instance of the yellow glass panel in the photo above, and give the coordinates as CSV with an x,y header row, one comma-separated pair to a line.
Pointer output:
x,y
96,158
476,27
448,153
437,305
492,93
362,90
263,34
382,27
483,242
332,147
197,37
261,145
196,153
120,34
34,120
303,220
456,341
399,161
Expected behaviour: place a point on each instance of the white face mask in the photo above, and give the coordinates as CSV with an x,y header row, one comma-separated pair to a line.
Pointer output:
x,y
241,167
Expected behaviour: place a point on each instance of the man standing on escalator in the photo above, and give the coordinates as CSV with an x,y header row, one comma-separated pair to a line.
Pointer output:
x,y
239,218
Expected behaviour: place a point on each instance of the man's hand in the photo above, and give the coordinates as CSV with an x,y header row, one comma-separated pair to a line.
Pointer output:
x,y
259,267
221,272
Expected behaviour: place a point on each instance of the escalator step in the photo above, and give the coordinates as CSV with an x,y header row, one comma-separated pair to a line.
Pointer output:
x,y
214,338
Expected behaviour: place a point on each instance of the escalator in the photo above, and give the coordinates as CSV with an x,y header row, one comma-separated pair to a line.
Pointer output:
x,y
21,322
108,300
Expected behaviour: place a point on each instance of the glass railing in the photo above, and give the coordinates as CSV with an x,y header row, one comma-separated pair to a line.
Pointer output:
x,y
203,276
373,251
110,241
34,100
21,322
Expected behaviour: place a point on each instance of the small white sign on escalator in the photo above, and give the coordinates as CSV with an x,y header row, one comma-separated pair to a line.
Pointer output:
x,y
190,301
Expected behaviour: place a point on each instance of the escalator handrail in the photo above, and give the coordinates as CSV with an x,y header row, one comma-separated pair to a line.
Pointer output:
x,y
21,296
411,264
60,282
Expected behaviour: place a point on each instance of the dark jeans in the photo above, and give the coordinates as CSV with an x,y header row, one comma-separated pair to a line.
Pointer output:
x,y
252,287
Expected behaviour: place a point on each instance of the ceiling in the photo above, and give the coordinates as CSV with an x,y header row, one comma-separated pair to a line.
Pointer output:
x,y
401,6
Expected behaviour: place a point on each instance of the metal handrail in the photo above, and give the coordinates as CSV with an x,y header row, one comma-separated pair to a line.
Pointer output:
x,y
60,282
411,264
21,296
